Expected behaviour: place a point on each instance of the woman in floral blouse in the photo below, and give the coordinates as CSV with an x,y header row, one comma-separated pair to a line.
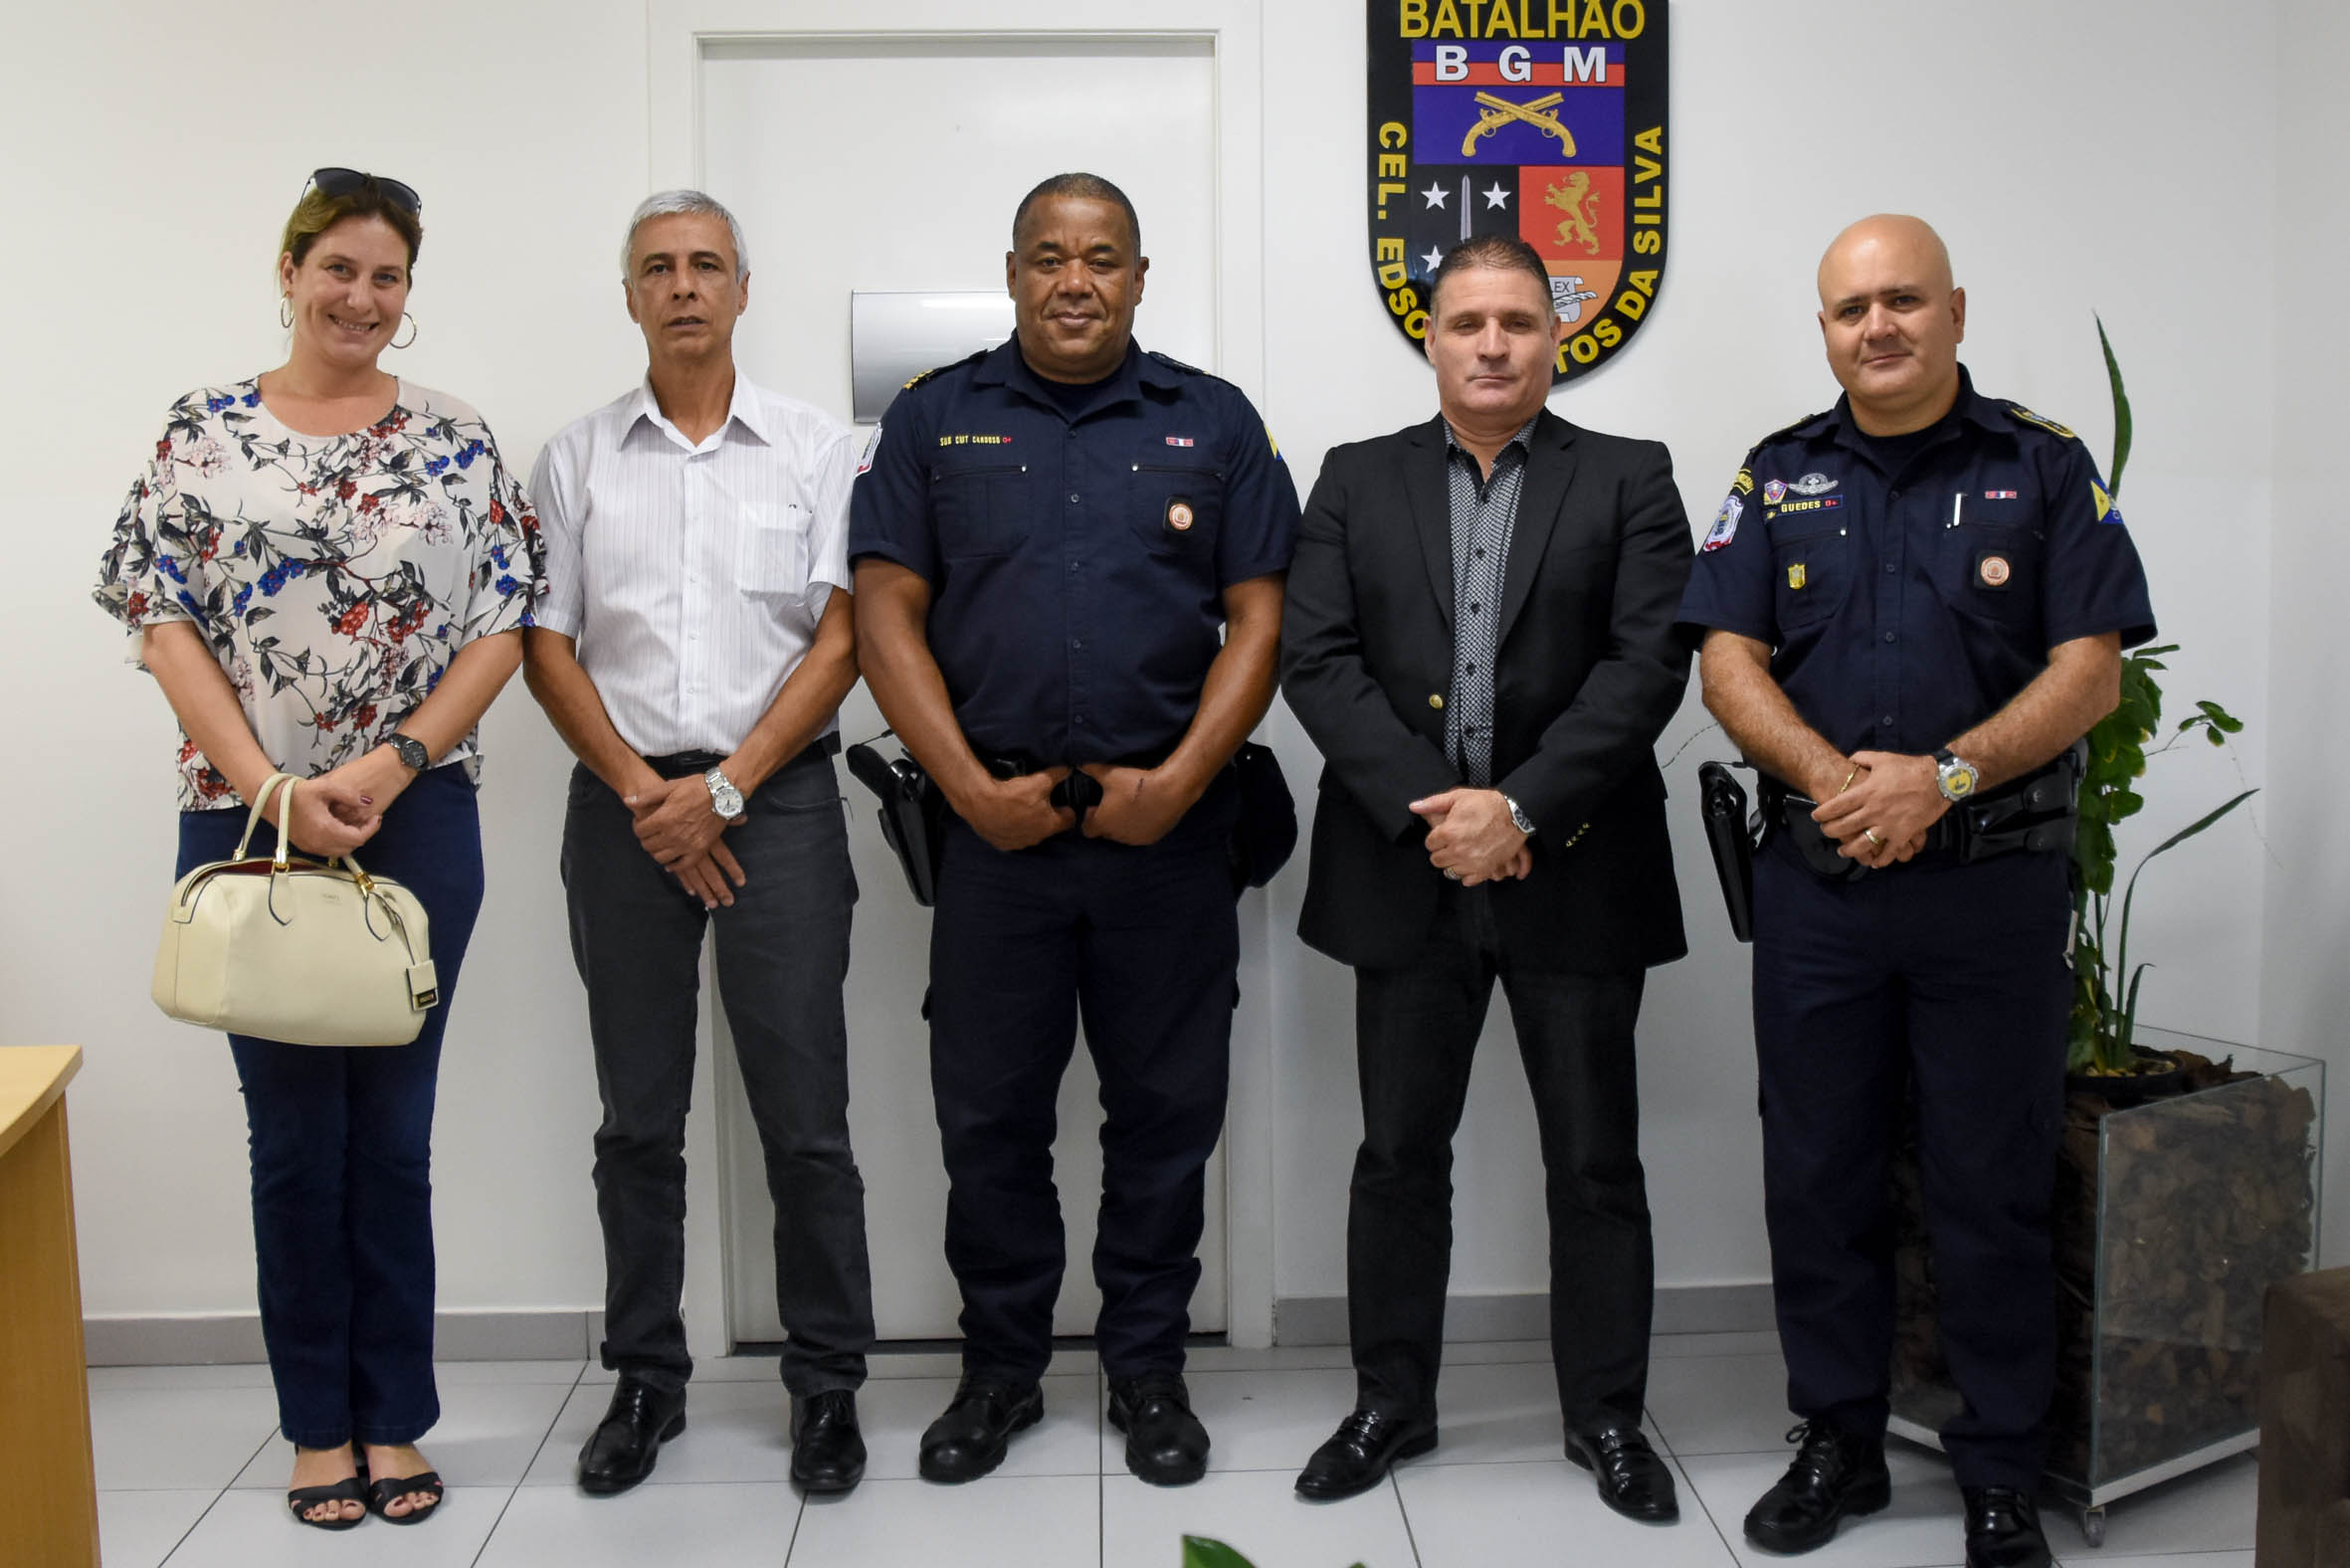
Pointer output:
x,y
328,570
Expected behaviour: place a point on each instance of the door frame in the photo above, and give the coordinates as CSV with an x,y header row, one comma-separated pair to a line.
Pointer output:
x,y
678,36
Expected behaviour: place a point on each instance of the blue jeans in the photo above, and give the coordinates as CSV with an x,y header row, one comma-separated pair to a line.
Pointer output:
x,y
342,1136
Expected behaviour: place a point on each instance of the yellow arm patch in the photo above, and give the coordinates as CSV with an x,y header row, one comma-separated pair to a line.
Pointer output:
x,y
2042,419
1743,483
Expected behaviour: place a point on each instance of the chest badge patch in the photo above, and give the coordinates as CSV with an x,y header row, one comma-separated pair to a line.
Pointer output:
x,y
1795,576
1812,485
1994,571
1774,491
1545,125
1180,516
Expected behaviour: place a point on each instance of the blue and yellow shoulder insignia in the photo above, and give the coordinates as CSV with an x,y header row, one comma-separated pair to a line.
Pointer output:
x,y
2040,420
939,370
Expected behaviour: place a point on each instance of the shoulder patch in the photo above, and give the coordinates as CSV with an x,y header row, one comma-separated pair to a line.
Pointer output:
x,y
2042,419
1743,481
936,370
1172,363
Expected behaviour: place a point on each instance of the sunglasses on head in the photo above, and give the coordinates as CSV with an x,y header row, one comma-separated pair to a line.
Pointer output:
x,y
345,182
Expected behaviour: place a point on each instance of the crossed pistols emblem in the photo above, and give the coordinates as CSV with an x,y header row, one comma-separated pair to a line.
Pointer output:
x,y
1499,111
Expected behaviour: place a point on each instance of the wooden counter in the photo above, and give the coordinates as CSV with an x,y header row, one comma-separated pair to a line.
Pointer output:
x,y
51,1511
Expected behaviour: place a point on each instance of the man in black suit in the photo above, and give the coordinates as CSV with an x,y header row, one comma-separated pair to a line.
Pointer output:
x,y
1478,635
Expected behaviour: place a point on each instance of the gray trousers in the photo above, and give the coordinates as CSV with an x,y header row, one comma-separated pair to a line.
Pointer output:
x,y
782,954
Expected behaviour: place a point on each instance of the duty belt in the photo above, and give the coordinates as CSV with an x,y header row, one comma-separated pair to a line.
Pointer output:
x,y
1080,792
2037,812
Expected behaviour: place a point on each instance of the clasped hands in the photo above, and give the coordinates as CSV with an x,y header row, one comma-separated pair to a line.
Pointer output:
x,y
1137,806
339,810
678,827
1472,837
1880,815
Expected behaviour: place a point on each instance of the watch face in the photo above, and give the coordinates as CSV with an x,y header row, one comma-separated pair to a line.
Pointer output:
x,y
1958,779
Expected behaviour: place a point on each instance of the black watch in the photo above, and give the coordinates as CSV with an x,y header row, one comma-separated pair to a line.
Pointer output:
x,y
411,751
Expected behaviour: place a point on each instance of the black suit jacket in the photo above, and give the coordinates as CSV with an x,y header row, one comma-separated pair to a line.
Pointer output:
x,y
1588,676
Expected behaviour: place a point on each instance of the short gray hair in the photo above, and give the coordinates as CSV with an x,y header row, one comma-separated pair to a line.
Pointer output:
x,y
662,204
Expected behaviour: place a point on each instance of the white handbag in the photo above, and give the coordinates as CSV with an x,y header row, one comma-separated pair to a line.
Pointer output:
x,y
291,949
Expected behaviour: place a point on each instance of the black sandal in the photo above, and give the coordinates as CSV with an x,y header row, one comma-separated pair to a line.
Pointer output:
x,y
304,1498
382,1493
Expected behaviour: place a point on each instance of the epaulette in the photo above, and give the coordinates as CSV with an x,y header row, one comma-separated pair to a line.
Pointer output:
x,y
1172,363
1790,429
939,370
2019,411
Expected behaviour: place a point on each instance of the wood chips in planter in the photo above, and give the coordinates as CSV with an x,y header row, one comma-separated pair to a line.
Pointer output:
x,y
2207,1197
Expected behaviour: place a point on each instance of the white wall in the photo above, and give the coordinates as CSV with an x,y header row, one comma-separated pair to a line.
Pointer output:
x,y
154,157
2035,138
2305,983
2117,156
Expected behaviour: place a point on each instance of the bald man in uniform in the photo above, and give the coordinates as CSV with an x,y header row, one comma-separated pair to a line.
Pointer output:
x,y
1916,599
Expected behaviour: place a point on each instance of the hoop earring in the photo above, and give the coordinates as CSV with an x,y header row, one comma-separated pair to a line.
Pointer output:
x,y
286,311
411,321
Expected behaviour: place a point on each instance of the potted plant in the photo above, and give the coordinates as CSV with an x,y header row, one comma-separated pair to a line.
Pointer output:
x,y
2185,1184
2103,1051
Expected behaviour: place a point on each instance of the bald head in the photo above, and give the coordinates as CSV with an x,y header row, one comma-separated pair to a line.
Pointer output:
x,y
1909,245
1892,322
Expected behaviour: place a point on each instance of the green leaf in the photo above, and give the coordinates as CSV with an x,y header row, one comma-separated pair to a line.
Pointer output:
x,y
2122,414
2122,952
1200,1552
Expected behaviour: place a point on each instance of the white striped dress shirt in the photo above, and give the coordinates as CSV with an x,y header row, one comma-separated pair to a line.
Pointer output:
x,y
692,577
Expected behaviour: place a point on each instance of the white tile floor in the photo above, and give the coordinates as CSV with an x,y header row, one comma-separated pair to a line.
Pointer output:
x,y
191,1475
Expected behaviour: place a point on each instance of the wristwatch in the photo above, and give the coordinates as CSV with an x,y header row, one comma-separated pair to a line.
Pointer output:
x,y
725,799
1518,818
1954,778
412,753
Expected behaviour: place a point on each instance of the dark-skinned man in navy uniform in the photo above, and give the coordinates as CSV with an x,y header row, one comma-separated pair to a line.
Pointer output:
x,y
1911,607
1070,558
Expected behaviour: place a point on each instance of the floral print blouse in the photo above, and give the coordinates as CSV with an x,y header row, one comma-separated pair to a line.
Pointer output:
x,y
335,576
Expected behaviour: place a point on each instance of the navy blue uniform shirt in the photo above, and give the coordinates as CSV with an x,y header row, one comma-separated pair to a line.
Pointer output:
x,y
1903,608
1077,561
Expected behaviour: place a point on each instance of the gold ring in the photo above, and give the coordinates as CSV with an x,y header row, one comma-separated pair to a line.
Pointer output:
x,y
1871,835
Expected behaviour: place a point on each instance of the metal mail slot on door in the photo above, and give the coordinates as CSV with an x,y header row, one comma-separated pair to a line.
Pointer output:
x,y
893,337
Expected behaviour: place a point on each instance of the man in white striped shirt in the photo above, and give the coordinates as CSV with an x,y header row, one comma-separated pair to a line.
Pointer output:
x,y
694,648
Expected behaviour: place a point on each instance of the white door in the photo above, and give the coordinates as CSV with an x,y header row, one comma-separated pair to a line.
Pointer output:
x,y
894,164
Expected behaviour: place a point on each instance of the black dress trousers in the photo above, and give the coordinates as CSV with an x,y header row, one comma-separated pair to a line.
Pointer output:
x,y
1416,1033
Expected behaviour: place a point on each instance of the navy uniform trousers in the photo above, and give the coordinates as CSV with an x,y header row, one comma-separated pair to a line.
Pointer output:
x,y
1141,942
1952,979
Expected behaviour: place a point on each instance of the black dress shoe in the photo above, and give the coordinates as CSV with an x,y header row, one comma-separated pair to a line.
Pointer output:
x,y
1632,1480
1835,1473
620,1454
827,1452
1165,1443
969,1440
1360,1453
2003,1529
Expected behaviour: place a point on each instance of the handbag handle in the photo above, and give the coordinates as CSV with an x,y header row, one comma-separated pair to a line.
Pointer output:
x,y
261,803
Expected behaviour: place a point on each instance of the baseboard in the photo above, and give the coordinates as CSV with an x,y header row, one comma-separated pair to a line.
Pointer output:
x,y
209,1339
1680,1310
